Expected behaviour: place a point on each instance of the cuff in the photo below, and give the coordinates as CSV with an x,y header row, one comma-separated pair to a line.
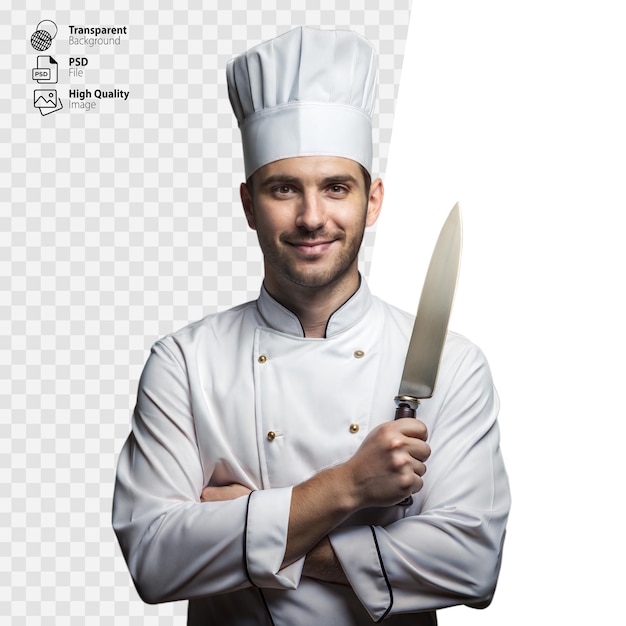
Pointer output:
x,y
358,553
267,523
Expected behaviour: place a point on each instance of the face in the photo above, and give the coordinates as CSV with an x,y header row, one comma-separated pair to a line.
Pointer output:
x,y
310,214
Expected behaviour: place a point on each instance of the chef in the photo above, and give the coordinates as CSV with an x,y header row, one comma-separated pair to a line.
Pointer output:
x,y
262,477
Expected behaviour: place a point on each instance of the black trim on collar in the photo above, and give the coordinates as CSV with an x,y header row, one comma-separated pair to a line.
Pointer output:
x,y
276,316
330,317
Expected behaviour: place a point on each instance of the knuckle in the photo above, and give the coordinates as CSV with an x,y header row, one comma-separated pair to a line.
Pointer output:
x,y
395,443
406,481
387,429
397,462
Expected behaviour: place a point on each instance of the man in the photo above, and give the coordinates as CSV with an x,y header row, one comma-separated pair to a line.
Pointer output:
x,y
262,476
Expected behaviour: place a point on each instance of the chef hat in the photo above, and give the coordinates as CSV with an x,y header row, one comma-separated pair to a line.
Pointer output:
x,y
307,92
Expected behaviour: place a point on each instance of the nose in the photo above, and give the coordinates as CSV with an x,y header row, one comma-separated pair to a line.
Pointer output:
x,y
312,213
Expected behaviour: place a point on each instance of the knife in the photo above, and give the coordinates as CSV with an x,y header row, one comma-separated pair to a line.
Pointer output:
x,y
431,321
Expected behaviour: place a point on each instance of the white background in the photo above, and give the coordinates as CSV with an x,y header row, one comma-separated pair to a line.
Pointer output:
x,y
518,111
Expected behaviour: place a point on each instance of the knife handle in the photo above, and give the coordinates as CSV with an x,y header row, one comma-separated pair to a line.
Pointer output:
x,y
404,410
406,407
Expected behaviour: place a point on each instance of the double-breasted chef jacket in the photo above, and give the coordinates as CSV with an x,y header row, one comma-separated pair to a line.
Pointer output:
x,y
242,396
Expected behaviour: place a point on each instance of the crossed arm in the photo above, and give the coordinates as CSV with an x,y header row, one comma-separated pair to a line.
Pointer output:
x,y
179,548
387,467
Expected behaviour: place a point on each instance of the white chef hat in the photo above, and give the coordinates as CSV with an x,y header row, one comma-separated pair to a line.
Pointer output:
x,y
307,92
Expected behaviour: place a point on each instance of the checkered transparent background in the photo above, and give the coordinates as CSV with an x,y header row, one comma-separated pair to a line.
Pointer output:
x,y
118,226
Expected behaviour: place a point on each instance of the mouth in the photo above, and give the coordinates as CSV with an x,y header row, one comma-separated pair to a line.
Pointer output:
x,y
312,248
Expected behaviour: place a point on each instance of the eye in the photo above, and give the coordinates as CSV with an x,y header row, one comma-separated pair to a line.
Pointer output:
x,y
282,190
337,190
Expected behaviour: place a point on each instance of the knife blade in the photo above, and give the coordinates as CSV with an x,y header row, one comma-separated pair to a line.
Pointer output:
x,y
431,321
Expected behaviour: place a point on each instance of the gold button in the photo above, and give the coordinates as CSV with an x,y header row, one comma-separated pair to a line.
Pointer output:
x,y
262,358
271,435
359,354
354,428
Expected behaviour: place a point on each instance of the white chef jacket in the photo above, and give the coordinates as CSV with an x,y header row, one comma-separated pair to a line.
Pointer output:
x,y
243,397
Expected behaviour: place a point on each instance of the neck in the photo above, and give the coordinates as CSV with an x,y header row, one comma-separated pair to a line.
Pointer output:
x,y
314,305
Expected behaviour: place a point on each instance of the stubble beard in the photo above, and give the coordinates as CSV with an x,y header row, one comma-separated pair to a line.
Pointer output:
x,y
305,273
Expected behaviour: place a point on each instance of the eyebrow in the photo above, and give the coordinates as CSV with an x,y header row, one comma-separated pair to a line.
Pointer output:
x,y
278,178
327,180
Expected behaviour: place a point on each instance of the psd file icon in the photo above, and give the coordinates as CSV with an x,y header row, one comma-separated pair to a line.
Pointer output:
x,y
47,70
46,101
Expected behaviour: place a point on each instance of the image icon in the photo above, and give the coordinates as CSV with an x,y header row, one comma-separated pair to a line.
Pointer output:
x,y
42,38
47,101
47,70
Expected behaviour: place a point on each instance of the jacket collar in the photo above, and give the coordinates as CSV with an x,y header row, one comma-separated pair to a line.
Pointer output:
x,y
277,317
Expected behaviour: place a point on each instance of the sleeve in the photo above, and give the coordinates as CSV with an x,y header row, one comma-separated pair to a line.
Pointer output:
x,y
447,550
175,546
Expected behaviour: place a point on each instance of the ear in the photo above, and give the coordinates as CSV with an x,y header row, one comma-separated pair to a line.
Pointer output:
x,y
375,201
246,201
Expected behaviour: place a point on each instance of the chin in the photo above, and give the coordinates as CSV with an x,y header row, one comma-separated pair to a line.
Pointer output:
x,y
317,278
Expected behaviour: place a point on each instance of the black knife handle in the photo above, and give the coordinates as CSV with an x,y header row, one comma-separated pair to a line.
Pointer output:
x,y
404,409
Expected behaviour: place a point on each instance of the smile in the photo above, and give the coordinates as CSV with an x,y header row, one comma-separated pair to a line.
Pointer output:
x,y
312,248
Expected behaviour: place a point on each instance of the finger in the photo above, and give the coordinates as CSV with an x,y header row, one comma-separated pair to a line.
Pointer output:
x,y
226,492
420,469
419,450
418,483
416,467
412,427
